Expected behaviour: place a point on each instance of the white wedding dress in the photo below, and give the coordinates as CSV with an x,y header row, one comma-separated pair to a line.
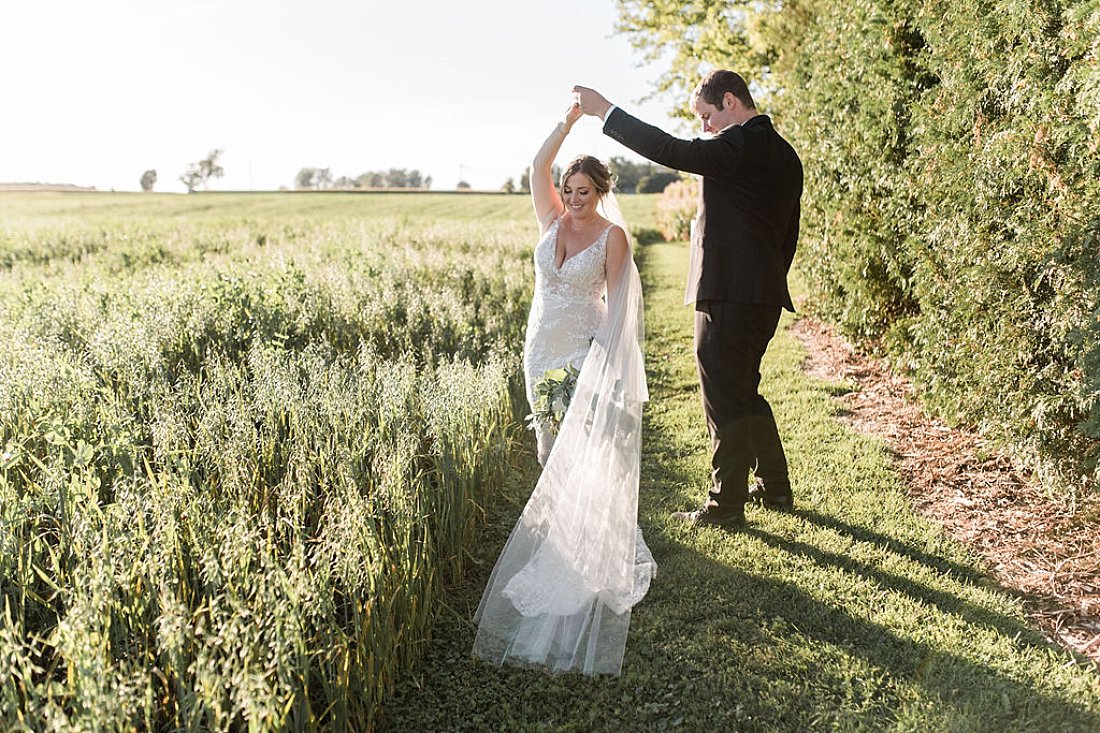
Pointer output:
x,y
562,591
567,309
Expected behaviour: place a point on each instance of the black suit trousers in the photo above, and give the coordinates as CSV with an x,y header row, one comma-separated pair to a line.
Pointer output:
x,y
730,341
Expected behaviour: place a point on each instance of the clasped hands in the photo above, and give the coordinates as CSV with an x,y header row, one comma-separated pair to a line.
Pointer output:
x,y
591,102
586,102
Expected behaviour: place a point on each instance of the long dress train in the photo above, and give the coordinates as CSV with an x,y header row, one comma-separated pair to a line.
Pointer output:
x,y
561,593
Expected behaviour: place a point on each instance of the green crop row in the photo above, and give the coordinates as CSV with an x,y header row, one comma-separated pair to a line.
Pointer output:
x,y
241,456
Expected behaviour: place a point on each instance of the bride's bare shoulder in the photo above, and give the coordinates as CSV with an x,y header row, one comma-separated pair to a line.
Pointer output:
x,y
617,242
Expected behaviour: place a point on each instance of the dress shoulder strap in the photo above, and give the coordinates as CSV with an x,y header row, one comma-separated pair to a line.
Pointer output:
x,y
606,232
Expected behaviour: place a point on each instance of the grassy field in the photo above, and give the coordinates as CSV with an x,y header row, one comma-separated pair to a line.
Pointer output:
x,y
245,440
248,441
851,614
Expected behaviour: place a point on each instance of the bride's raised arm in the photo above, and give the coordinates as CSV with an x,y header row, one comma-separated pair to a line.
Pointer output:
x,y
544,194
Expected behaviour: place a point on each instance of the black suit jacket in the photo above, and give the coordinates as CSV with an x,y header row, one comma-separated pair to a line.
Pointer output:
x,y
752,184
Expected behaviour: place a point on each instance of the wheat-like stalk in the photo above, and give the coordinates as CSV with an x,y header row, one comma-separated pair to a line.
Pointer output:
x,y
240,458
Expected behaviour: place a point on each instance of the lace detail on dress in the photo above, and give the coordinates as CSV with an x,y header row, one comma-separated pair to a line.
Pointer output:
x,y
568,592
567,308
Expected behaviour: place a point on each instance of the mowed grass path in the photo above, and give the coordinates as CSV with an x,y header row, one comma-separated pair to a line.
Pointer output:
x,y
851,614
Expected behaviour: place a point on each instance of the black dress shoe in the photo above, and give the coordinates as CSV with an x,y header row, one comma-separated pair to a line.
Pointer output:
x,y
778,502
709,516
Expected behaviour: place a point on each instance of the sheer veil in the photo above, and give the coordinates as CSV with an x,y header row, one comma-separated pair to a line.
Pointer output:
x,y
561,593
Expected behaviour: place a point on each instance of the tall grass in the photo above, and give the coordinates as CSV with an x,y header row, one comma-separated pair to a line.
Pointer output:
x,y
245,440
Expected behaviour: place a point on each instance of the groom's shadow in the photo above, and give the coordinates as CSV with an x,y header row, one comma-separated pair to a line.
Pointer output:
x,y
795,652
944,601
751,620
966,573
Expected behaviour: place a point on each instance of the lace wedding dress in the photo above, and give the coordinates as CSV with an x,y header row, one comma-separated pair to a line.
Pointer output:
x,y
562,591
567,309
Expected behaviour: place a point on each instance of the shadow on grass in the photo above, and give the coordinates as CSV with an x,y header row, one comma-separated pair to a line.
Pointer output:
x,y
967,573
773,656
1007,626
792,661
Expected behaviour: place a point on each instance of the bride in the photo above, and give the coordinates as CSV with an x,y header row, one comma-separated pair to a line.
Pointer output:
x,y
575,564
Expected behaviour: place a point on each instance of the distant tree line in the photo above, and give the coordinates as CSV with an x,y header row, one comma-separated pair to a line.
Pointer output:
x,y
630,177
197,174
643,177
317,179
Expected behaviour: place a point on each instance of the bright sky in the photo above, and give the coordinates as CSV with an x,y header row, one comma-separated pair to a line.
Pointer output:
x,y
94,92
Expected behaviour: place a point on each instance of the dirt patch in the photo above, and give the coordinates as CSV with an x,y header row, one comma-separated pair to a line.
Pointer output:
x,y
1035,545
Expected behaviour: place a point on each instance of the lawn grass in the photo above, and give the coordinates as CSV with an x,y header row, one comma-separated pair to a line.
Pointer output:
x,y
853,613
53,208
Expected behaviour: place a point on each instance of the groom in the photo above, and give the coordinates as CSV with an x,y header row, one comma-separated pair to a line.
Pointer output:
x,y
743,241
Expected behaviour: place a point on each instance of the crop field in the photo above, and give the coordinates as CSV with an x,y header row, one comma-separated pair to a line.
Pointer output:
x,y
246,438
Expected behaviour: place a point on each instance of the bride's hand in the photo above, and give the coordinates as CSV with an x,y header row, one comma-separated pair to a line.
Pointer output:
x,y
572,115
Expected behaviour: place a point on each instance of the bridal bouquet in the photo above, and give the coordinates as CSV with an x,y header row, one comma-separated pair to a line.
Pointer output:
x,y
552,395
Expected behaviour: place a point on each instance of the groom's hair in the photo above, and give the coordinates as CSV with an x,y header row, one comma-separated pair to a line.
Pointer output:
x,y
714,86
597,172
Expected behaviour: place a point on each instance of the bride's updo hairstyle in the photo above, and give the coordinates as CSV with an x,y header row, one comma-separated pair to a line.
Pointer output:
x,y
597,172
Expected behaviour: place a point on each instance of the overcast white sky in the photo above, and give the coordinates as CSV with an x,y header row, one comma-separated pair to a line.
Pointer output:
x,y
94,92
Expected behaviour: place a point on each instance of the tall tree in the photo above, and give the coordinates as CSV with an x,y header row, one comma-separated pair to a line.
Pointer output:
x,y
694,35
210,168
397,178
148,180
630,174
304,179
191,178
656,182
200,173
372,179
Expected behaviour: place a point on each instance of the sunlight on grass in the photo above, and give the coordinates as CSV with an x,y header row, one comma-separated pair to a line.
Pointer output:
x,y
852,613
248,438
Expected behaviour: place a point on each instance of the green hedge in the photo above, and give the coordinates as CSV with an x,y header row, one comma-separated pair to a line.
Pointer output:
x,y
952,206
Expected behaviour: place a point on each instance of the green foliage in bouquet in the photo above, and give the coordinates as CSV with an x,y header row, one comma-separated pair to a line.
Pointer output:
x,y
552,396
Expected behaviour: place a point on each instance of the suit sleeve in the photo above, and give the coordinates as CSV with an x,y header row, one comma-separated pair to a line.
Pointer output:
x,y
712,157
790,240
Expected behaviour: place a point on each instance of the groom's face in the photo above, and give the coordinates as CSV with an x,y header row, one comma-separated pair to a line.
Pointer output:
x,y
715,119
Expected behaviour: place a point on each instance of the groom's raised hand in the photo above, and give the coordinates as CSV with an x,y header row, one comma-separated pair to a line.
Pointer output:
x,y
591,102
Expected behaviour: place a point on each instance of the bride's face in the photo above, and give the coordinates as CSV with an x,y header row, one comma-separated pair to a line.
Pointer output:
x,y
579,195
